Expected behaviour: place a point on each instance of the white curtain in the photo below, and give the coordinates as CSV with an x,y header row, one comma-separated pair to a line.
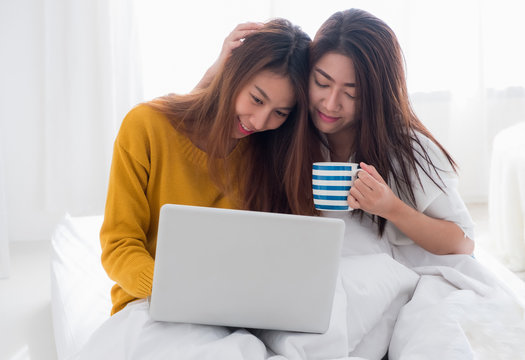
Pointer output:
x,y
179,40
91,81
464,60
4,244
70,71
465,69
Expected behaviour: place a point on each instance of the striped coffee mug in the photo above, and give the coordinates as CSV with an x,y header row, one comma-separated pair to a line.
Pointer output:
x,y
331,183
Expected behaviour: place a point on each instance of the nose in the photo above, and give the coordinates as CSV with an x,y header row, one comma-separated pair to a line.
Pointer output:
x,y
332,102
260,121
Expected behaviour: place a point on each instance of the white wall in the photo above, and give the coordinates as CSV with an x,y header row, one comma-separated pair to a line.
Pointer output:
x,y
462,127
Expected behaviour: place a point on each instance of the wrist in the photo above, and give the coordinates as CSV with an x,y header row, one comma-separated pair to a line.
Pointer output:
x,y
396,211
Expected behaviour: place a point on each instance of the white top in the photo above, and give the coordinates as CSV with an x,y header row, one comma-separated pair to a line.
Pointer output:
x,y
361,235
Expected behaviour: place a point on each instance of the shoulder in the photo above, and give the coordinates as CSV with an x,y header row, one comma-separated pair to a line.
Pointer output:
x,y
435,174
429,155
142,118
143,130
438,195
143,123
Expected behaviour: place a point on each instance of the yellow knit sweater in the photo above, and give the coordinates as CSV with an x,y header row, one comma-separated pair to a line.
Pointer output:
x,y
153,164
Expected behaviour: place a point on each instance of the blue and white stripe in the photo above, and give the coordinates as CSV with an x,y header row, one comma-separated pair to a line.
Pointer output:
x,y
331,183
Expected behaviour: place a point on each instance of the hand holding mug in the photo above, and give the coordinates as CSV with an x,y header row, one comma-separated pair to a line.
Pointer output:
x,y
371,193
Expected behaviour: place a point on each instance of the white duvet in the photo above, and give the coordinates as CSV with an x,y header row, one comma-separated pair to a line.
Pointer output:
x,y
455,310
391,296
446,307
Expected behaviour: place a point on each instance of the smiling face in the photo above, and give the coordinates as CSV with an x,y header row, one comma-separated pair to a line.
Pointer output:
x,y
263,104
333,93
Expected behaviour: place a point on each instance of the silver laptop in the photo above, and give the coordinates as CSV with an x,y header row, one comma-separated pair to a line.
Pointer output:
x,y
245,268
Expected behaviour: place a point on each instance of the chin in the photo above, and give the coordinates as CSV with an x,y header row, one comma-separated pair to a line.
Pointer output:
x,y
325,128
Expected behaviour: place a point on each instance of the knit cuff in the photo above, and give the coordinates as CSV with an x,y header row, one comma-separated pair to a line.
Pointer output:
x,y
145,281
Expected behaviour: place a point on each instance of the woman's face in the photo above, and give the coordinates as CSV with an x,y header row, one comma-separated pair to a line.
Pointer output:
x,y
332,93
263,104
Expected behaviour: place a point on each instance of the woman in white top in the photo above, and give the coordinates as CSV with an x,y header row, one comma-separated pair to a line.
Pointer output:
x,y
359,107
359,102
406,201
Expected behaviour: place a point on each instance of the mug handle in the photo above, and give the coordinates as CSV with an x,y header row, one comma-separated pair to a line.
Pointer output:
x,y
355,175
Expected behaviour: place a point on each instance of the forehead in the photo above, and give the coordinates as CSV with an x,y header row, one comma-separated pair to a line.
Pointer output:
x,y
339,67
277,87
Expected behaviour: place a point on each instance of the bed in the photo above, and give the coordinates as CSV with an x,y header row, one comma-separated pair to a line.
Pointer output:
x,y
80,289
81,303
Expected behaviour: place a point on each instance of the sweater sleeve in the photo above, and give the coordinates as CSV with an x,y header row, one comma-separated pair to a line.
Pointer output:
x,y
127,214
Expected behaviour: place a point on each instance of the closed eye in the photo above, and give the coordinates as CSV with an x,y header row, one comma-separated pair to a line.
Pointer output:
x,y
319,84
281,114
256,99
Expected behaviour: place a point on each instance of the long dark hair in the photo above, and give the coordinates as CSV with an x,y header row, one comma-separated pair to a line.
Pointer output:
x,y
385,124
270,168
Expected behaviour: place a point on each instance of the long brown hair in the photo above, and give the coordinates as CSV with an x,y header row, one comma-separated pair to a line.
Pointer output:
x,y
385,122
270,168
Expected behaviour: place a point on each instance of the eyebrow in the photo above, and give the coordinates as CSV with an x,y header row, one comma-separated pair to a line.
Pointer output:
x,y
267,98
330,78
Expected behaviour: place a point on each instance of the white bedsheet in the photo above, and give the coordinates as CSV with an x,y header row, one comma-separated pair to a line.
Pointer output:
x,y
448,307
80,288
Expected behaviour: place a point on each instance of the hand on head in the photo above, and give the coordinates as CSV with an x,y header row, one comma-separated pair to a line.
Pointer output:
x,y
232,41
235,39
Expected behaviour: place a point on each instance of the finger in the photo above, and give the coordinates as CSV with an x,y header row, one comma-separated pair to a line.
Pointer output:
x,y
235,44
243,30
356,194
370,169
249,26
362,191
231,43
237,35
365,180
353,203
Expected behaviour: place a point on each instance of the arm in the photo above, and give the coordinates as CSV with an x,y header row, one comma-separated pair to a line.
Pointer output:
x,y
232,41
371,194
127,214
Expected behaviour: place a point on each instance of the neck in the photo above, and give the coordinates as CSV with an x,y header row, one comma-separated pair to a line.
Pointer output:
x,y
341,145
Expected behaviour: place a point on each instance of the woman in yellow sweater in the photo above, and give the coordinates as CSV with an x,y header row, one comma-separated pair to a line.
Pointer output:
x,y
190,149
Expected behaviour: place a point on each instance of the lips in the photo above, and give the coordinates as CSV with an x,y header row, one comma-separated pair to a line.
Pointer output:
x,y
243,129
326,118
